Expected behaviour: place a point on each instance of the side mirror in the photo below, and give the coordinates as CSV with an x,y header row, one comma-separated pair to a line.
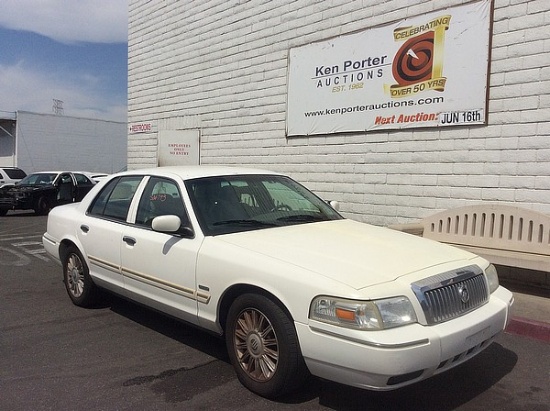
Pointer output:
x,y
171,224
166,223
334,204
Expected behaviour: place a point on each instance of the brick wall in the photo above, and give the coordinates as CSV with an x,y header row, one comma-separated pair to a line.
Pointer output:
x,y
221,66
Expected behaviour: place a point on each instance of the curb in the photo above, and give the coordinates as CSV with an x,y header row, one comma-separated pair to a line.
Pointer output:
x,y
529,328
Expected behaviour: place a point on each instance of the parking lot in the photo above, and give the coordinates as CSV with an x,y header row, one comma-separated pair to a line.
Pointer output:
x,y
120,356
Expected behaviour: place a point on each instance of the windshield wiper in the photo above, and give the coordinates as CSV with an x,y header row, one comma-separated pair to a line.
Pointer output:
x,y
246,223
302,218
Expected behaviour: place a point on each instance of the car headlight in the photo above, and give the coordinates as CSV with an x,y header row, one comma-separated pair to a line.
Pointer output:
x,y
363,315
492,278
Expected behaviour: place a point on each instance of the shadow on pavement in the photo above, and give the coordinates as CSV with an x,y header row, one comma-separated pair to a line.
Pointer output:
x,y
443,392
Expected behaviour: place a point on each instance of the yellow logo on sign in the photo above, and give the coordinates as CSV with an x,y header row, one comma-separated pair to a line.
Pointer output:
x,y
418,64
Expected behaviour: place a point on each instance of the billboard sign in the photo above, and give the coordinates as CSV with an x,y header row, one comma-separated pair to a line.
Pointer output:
x,y
426,71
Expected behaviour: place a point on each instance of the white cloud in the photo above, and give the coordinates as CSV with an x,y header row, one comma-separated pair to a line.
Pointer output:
x,y
69,21
31,90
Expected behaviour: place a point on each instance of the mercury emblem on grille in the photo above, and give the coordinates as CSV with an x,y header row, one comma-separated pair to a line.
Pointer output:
x,y
463,293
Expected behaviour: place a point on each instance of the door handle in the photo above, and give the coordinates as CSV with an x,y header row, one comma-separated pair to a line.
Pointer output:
x,y
129,240
84,228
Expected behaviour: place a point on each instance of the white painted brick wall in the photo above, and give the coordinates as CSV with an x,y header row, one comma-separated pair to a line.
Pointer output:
x,y
221,66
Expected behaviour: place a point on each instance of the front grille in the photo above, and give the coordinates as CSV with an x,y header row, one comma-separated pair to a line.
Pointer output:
x,y
6,201
451,294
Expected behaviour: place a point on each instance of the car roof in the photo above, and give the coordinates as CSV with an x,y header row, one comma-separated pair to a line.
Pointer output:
x,y
191,172
60,172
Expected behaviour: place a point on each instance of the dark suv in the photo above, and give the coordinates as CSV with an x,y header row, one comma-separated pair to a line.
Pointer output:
x,y
10,175
42,191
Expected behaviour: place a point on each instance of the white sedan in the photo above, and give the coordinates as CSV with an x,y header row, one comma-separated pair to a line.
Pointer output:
x,y
293,286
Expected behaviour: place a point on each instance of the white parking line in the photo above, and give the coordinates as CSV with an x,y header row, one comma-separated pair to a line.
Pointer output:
x,y
15,238
34,248
17,259
27,245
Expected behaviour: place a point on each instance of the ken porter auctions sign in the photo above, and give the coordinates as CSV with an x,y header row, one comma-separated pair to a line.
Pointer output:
x,y
426,71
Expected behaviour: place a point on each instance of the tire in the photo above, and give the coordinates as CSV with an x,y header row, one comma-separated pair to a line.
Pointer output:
x,y
76,276
42,207
3,211
263,347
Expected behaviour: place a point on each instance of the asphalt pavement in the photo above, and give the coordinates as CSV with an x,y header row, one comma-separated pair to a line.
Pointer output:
x,y
530,312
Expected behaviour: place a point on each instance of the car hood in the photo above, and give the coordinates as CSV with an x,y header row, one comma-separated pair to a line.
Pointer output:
x,y
19,188
11,191
353,253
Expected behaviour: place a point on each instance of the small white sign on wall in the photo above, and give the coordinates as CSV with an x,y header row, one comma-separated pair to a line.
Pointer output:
x,y
178,147
142,127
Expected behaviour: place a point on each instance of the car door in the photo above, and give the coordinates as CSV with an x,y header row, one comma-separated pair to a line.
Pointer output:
x,y
100,231
83,185
64,187
159,268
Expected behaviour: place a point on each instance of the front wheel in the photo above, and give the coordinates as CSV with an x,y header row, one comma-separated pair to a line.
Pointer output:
x,y
263,346
76,276
42,206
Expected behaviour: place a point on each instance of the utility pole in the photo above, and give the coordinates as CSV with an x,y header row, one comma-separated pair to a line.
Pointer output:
x,y
57,107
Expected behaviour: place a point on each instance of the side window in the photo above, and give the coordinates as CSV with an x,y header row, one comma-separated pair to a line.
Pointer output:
x,y
82,179
160,197
15,173
65,179
115,198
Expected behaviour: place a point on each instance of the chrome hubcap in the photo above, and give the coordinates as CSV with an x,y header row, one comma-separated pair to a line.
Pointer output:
x,y
256,345
75,276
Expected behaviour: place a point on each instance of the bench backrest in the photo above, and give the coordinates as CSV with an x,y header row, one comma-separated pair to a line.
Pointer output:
x,y
491,226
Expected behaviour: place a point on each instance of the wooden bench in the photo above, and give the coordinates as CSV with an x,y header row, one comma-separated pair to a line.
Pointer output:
x,y
504,235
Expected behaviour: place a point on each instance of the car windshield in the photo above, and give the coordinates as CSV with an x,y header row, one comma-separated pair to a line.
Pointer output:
x,y
237,203
38,179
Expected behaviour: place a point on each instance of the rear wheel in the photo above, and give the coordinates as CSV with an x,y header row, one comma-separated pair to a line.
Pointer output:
x,y
76,276
263,346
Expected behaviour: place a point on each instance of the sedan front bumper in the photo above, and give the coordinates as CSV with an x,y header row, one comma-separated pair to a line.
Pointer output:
x,y
12,203
390,359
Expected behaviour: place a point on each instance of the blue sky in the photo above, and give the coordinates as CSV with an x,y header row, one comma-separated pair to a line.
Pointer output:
x,y
70,50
